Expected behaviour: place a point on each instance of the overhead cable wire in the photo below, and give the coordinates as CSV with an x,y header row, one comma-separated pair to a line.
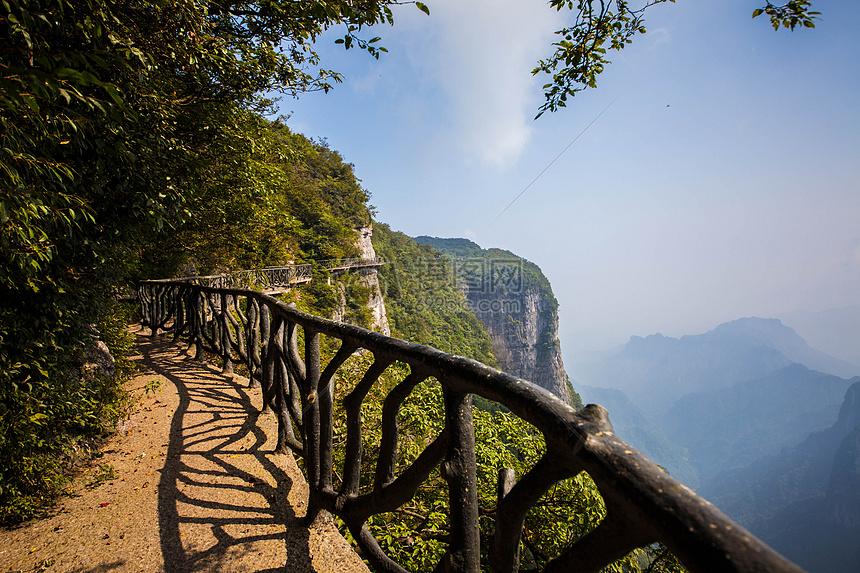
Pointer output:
x,y
556,158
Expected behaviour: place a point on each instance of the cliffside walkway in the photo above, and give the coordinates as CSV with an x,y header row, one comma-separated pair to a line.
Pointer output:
x,y
273,280
643,504
335,265
190,483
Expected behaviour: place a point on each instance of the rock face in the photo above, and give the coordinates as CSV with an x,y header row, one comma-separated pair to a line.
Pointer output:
x,y
98,359
524,330
514,300
369,279
843,495
843,492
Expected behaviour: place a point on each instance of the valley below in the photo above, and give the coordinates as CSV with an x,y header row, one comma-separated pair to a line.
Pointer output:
x,y
756,420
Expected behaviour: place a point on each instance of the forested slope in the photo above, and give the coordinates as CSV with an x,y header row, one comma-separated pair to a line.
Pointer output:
x,y
134,141
136,144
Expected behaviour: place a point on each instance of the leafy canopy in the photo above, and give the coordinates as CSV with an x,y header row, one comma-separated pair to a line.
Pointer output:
x,y
130,135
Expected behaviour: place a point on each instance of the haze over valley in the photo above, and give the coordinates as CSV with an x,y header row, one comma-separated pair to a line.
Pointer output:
x,y
755,419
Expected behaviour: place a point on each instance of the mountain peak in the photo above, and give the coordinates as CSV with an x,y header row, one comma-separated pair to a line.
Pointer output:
x,y
772,333
753,326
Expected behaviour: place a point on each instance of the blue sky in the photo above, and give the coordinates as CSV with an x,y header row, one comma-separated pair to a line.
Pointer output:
x,y
724,180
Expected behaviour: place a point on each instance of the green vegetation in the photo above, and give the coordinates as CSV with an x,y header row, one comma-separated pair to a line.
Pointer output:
x,y
414,534
46,421
104,473
422,308
133,142
152,386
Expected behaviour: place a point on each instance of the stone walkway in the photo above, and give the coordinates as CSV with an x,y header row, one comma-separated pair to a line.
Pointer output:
x,y
188,484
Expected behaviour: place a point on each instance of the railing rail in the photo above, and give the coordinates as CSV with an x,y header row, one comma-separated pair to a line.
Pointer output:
x,y
274,277
337,264
644,505
265,278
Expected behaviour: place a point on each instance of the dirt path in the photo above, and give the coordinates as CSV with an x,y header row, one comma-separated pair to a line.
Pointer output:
x,y
188,484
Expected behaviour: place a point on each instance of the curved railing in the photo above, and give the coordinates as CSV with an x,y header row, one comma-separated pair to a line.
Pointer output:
x,y
643,504
266,278
284,276
343,264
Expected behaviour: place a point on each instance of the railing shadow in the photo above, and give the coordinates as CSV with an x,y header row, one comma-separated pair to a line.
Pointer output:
x,y
222,499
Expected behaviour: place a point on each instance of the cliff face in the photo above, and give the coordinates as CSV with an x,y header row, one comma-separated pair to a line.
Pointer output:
x,y
367,281
843,493
514,301
370,279
524,330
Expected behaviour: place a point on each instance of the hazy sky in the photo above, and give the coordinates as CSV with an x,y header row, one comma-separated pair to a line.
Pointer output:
x,y
724,180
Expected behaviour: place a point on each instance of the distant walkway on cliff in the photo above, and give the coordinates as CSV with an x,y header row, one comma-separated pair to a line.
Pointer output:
x,y
190,483
272,280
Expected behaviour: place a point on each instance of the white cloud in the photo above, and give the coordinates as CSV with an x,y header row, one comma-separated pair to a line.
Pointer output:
x,y
659,37
480,54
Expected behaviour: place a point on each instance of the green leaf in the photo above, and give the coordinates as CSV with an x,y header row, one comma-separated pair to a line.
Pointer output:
x,y
423,7
31,102
757,12
114,94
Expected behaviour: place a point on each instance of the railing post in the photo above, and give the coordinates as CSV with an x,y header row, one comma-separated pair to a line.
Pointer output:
x,y
265,346
179,309
154,315
506,481
188,295
514,501
226,342
311,422
252,335
458,469
274,362
199,324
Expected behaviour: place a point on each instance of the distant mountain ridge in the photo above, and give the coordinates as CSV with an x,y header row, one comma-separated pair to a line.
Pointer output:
x,y
656,371
835,331
735,426
805,500
769,425
773,333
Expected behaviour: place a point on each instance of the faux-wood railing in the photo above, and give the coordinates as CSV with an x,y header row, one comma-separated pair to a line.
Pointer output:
x,y
644,505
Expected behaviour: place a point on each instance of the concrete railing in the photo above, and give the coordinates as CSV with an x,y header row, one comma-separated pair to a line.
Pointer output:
x,y
275,277
644,505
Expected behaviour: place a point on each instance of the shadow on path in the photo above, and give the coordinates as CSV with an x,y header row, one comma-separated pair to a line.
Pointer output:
x,y
223,501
